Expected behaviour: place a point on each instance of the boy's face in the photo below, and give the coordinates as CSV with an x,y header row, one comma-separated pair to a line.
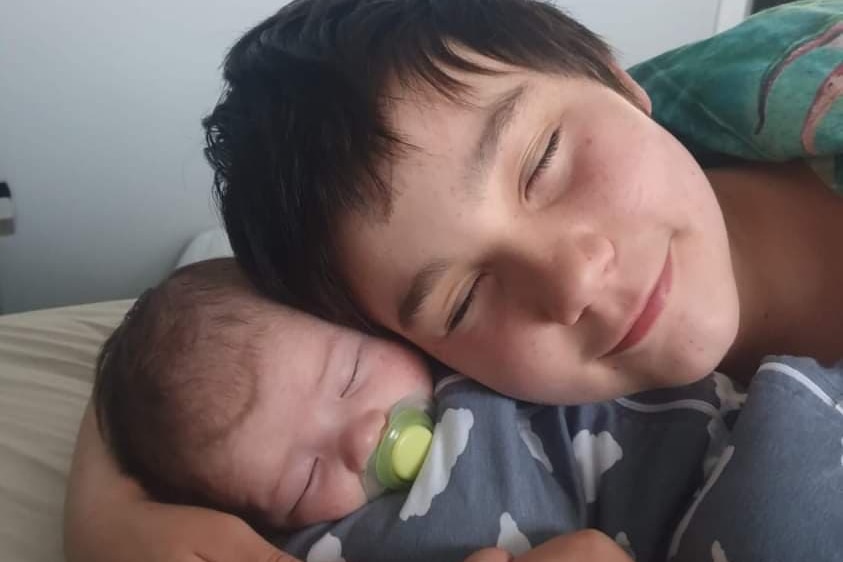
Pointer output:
x,y
552,242
323,397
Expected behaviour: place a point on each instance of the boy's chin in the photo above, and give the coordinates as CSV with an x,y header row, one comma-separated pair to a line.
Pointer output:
x,y
705,349
701,365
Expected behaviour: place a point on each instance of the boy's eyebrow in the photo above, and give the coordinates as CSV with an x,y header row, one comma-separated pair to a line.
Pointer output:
x,y
420,288
498,119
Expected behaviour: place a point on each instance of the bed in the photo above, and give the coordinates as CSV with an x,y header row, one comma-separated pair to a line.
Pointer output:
x,y
46,369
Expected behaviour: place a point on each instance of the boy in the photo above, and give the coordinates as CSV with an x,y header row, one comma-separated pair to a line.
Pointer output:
x,y
212,395
503,164
483,180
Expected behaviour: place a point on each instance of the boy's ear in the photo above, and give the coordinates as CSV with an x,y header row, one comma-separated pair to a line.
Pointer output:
x,y
639,95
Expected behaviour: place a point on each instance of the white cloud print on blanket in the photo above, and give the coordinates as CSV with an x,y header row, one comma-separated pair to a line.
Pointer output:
x,y
510,538
450,439
717,553
595,455
730,398
531,440
326,549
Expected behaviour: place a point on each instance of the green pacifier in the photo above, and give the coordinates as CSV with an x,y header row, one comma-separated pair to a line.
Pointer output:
x,y
399,456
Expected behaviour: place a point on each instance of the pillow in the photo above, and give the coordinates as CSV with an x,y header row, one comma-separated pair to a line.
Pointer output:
x,y
206,245
46,373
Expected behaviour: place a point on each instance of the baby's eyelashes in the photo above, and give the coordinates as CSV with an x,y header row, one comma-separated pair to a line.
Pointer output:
x,y
298,503
351,378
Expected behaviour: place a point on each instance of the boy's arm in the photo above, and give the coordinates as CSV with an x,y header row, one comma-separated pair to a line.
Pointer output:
x,y
108,517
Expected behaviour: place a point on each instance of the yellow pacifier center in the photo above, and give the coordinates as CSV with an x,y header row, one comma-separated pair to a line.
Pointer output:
x,y
410,451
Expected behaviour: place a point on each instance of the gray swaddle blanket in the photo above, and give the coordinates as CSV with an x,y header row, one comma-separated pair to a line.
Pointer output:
x,y
512,474
702,472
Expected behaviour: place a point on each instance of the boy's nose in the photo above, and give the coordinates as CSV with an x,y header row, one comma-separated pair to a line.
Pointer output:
x,y
360,438
575,275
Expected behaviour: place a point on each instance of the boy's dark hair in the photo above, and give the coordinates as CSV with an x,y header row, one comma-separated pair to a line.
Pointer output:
x,y
297,137
171,381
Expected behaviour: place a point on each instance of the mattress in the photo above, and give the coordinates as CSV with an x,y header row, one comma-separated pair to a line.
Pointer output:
x,y
46,371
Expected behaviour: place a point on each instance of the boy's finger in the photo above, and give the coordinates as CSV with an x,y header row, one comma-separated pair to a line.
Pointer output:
x,y
587,545
490,555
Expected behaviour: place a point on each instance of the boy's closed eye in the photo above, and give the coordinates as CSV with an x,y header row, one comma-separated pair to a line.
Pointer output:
x,y
543,163
463,305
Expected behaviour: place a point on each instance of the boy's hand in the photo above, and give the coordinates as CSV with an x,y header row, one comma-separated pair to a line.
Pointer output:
x,y
144,531
588,545
108,518
188,534
490,555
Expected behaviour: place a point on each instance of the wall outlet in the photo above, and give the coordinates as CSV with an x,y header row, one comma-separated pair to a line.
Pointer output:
x,y
7,210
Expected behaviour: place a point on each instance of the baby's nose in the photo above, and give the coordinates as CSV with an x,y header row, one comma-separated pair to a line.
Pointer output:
x,y
360,438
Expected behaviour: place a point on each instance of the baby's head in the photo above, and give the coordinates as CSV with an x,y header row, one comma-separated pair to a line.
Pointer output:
x,y
211,394
481,178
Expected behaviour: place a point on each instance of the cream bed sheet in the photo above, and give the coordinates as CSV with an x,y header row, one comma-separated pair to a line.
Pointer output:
x,y
46,371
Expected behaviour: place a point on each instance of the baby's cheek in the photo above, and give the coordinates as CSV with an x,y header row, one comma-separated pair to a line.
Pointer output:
x,y
337,499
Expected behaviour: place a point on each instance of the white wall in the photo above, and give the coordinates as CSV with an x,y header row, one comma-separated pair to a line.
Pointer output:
x,y
640,29
100,141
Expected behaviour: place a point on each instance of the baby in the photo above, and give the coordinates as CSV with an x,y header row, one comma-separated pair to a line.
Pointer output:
x,y
213,395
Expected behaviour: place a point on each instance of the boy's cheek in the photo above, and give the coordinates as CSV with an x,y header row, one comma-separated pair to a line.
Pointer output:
x,y
510,361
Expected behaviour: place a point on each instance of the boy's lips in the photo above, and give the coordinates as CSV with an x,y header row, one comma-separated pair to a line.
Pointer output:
x,y
652,308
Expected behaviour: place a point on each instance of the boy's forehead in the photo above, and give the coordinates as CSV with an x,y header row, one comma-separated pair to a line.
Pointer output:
x,y
465,132
463,135
474,90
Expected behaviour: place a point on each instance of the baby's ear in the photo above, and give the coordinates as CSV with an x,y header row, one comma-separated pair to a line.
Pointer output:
x,y
639,95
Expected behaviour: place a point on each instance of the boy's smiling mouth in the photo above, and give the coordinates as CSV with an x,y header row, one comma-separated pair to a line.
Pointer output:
x,y
650,311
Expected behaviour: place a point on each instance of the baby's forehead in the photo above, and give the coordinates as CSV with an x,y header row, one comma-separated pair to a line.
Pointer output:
x,y
293,346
